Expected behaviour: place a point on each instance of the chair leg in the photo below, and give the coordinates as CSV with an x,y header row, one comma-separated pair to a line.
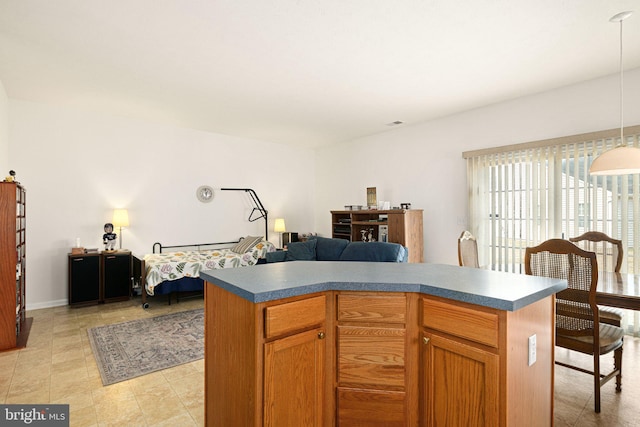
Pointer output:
x,y
596,381
617,364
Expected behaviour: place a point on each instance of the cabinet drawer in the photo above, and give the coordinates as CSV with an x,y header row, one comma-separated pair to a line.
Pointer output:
x,y
372,308
371,408
371,357
294,316
474,325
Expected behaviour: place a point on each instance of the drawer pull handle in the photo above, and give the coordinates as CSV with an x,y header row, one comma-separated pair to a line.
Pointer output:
x,y
425,340
320,335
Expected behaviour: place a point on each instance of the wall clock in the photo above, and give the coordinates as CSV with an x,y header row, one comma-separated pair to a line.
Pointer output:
x,y
204,193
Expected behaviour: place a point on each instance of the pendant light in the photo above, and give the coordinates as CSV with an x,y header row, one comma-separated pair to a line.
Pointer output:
x,y
622,159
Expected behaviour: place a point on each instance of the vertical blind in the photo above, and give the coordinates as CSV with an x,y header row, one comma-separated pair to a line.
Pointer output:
x,y
521,195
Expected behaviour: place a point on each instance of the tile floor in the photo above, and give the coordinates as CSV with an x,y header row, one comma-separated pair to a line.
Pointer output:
x,y
574,390
58,367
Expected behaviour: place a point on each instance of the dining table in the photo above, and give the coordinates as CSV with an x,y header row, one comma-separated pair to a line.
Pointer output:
x,y
620,290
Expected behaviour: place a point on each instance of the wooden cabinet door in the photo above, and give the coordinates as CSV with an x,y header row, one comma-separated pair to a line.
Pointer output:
x,y
294,380
460,384
117,276
84,279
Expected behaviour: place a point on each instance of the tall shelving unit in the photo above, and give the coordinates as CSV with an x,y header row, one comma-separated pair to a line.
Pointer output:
x,y
403,226
13,322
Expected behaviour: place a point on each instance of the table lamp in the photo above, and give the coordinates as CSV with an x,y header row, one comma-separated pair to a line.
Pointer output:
x,y
120,219
279,227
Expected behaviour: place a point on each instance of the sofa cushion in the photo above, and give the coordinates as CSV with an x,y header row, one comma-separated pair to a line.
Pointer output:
x,y
374,252
277,256
329,249
301,251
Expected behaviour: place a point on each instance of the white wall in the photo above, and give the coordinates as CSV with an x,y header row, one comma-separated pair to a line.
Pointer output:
x,y
78,166
4,133
423,165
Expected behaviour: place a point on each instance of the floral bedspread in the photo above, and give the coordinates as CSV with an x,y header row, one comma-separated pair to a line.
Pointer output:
x,y
175,265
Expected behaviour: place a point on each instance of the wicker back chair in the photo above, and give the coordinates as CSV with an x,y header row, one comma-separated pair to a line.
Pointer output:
x,y
609,251
578,324
610,255
468,250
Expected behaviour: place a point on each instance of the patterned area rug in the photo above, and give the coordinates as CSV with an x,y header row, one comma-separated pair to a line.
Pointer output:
x,y
138,347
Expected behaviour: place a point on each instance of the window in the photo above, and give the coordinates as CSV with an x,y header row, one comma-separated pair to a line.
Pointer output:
x,y
522,195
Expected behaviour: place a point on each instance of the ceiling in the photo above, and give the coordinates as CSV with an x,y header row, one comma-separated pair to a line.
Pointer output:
x,y
304,72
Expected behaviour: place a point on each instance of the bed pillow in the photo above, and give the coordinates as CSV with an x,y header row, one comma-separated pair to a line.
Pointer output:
x,y
245,244
301,251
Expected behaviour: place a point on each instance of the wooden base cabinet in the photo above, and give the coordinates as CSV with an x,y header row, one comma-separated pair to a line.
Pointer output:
x,y
350,358
474,365
264,363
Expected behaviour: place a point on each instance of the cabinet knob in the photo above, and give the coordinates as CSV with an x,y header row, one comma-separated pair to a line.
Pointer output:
x,y
320,335
425,340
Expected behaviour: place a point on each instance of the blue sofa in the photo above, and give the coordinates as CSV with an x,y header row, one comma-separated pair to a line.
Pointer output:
x,y
327,249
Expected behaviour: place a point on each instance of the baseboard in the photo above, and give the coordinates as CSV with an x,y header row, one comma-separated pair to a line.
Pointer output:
x,y
47,304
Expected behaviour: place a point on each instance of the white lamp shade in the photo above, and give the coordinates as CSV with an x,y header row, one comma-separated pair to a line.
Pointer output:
x,y
279,227
120,218
617,161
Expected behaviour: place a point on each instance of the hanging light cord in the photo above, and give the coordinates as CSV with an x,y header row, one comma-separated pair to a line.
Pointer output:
x,y
623,159
621,90
619,18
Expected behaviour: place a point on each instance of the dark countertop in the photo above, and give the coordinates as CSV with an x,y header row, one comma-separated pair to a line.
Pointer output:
x,y
268,282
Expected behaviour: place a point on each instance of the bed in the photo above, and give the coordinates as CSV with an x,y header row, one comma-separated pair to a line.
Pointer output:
x,y
175,269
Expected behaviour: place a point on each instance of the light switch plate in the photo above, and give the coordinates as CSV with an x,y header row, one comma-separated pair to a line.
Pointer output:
x,y
532,349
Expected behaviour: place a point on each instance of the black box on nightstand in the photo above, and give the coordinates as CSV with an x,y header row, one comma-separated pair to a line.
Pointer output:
x,y
289,237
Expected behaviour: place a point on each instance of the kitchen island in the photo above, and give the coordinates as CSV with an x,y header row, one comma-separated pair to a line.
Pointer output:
x,y
310,343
